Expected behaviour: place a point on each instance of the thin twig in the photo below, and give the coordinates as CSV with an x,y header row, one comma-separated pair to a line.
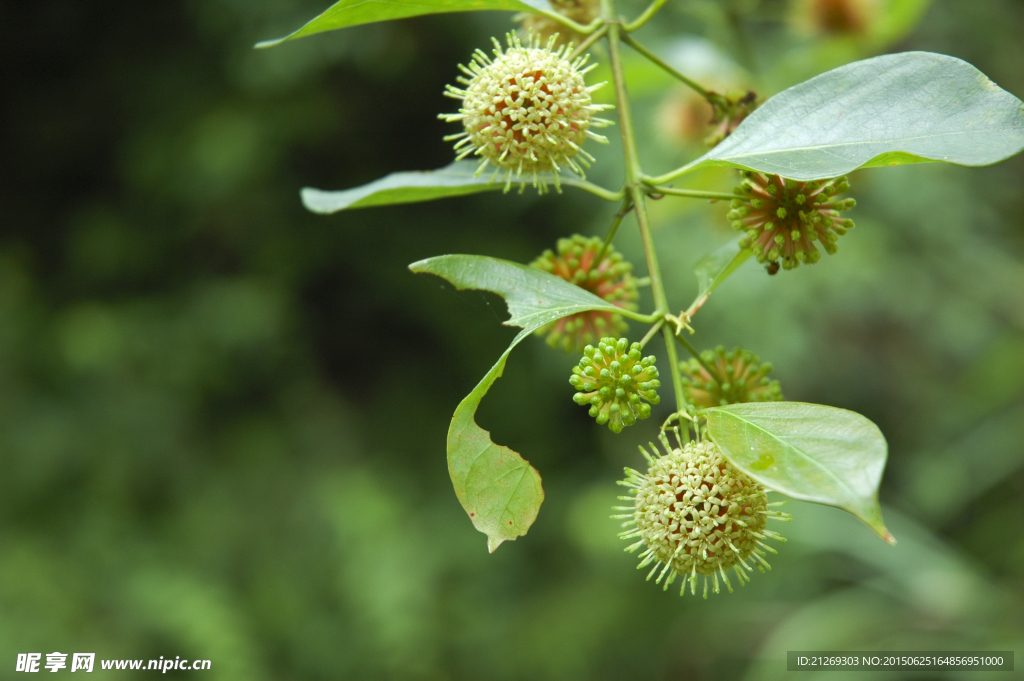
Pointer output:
x,y
623,211
693,351
657,61
590,40
652,331
601,192
696,193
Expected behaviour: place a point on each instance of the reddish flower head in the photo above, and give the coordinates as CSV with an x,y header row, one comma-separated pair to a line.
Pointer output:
x,y
610,279
783,218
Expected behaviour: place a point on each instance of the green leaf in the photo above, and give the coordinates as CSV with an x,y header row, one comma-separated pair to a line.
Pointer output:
x,y
500,490
354,12
457,179
911,107
715,267
806,451
534,297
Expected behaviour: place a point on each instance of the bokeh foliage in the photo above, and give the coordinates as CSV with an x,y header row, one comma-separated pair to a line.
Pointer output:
x,y
224,418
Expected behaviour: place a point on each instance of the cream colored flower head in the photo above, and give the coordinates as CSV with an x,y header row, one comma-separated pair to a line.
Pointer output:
x,y
527,111
694,513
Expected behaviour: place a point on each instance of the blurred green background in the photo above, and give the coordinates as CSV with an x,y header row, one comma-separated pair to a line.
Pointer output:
x,y
222,419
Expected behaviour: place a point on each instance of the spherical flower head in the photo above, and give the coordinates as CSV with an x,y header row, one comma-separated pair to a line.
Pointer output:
x,y
580,11
527,110
610,279
614,379
738,377
694,513
783,218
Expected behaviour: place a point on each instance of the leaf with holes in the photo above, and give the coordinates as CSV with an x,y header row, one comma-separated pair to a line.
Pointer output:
x,y
501,491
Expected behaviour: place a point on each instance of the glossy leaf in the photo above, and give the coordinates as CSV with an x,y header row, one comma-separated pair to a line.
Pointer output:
x,y
715,267
457,179
910,107
806,451
500,490
354,12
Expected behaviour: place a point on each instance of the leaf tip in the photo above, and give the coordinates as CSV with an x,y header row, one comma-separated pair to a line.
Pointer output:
x,y
889,539
264,44
313,201
493,543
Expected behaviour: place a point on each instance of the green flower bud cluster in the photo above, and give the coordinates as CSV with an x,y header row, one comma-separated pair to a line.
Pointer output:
x,y
739,376
611,279
783,218
613,379
697,514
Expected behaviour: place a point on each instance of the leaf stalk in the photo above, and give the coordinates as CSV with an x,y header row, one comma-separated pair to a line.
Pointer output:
x,y
712,97
693,193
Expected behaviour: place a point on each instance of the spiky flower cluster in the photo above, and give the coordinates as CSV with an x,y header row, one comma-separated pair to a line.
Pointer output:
x,y
738,377
528,110
613,379
783,218
696,514
580,11
610,279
